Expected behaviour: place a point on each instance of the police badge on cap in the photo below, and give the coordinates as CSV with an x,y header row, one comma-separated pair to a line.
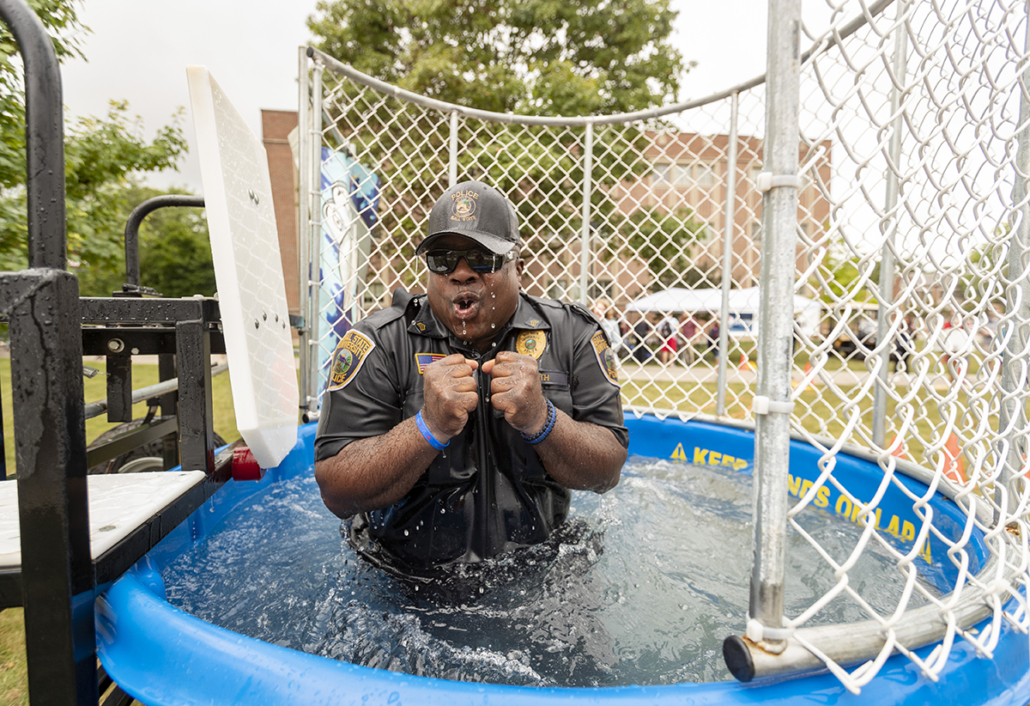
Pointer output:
x,y
477,211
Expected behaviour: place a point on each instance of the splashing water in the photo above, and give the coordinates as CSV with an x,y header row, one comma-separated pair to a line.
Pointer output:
x,y
616,597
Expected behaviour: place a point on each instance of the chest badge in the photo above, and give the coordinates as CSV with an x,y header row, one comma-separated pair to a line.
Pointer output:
x,y
531,343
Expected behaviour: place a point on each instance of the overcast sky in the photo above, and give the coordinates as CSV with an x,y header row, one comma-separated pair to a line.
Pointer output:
x,y
138,51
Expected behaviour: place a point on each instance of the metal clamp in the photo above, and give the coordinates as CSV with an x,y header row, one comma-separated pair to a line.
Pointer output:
x,y
764,405
766,181
756,632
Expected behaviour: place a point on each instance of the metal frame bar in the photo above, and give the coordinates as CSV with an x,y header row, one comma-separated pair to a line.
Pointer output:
x,y
727,256
46,364
339,67
886,297
585,248
132,275
776,322
304,259
1012,420
314,234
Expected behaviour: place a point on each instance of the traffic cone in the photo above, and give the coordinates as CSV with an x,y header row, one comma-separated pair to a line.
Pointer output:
x,y
899,451
815,381
745,364
955,470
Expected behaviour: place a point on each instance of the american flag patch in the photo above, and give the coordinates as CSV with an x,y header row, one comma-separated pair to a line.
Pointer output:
x,y
424,359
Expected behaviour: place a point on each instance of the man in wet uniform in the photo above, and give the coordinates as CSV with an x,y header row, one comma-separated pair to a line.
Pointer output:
x,y
456,423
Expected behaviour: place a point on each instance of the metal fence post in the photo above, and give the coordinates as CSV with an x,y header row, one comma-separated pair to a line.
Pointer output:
x,y
313,315
585,247
727,255
887,254
452,163
775,325
1012,422
304,258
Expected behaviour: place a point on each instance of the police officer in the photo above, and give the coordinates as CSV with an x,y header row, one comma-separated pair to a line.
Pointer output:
x,y
455,423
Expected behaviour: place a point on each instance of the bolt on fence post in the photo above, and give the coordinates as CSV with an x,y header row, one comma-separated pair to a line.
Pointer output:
x,y
314,313
584,249
1012,420
727,255
303,173
452,171
887,253
775,325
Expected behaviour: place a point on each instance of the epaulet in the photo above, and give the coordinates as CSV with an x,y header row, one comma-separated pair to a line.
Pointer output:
x,y
402,303
583,312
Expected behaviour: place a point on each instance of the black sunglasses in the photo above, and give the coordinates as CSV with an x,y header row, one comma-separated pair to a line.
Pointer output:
x,y
443,262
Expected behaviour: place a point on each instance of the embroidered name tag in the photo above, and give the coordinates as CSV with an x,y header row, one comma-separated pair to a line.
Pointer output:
x,y
348,357
424,359
554,378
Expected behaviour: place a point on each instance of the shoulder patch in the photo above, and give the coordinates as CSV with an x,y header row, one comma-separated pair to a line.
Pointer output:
x,y
605,357
531,343
348,358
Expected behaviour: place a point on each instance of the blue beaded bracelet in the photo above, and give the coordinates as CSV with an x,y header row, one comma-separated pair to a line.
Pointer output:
x,y
552,417
433,441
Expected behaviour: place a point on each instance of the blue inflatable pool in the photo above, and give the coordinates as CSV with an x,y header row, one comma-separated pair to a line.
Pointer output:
x,y
164,656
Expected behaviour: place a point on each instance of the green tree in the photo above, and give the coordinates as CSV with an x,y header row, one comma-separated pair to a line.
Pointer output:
x,y
531,57
100,156
174,247
664,241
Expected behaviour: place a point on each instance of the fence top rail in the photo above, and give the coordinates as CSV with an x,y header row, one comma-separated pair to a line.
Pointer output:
x,y
619,118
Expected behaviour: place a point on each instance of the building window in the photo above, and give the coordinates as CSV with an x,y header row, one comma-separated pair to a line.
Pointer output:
x,y
662,175
704,175
756,232
601,288
557,289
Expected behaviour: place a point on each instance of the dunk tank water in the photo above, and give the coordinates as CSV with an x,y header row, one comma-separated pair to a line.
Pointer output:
x,y
630,606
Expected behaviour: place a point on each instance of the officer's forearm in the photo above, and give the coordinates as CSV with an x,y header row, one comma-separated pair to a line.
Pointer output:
x,y
582,456
376,472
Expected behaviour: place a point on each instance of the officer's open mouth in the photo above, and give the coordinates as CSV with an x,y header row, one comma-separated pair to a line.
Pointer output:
x,y
466,305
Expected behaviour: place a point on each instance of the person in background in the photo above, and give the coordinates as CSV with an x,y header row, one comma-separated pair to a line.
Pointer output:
x,y
668,332
643,331
456,423
688,332
604,310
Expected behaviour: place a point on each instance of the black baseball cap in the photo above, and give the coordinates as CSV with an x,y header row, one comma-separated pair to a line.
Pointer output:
x,y
477,211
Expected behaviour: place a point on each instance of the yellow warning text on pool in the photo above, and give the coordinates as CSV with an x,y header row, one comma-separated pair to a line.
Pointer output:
x,y
708,457
827,498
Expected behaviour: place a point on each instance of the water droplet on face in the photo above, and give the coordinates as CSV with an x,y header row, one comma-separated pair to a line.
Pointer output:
x,y
493,325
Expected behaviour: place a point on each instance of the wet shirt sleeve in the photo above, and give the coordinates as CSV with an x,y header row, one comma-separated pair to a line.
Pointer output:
x,y
362,398
596,394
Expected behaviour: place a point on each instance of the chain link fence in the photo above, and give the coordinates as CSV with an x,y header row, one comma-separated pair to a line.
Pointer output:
x,y
911,298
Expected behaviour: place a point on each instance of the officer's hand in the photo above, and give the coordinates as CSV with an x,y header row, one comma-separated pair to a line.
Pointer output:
x,y
449,391
515,390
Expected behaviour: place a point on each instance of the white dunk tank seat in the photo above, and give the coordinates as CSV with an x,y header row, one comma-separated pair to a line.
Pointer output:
x,y
248,272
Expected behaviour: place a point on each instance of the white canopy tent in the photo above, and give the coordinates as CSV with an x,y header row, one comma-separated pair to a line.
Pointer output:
x,y
743,307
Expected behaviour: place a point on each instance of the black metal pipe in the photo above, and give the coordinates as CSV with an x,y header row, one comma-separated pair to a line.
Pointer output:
x,y
136,219
44,136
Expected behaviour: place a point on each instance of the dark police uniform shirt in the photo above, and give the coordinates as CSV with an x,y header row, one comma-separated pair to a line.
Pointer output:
x,y
487,492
